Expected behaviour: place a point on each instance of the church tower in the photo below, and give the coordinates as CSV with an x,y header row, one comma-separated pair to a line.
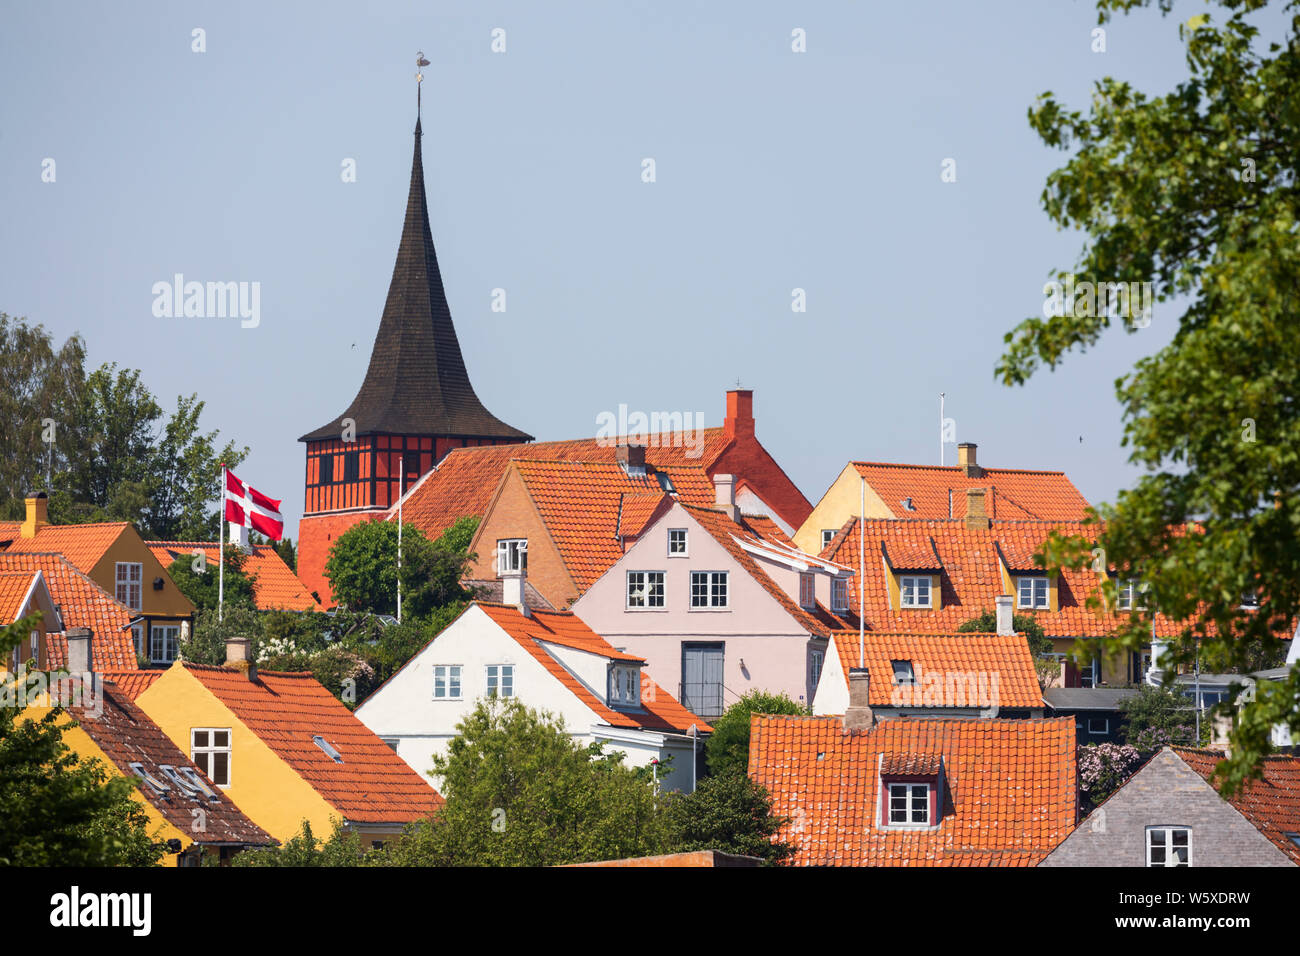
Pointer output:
x,y
415,404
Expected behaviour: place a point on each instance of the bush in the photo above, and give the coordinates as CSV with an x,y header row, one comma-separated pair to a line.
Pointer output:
x,y
727,749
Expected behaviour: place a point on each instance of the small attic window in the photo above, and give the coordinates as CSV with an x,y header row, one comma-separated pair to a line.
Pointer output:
x,y
665,482
907,504
903,673
326,746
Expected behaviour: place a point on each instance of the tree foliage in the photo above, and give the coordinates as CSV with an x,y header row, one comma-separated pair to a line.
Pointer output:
x,y
1027,624
1156,717
728,747
203,587
362,569
1195,191
727,812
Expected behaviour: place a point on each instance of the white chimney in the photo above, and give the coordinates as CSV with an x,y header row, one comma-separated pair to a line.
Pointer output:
x,y
513,585
1158,649
79,655
1004,614
724,489
239,537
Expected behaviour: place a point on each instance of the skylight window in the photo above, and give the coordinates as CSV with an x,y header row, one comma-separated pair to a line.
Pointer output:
x,y
665,482
907,504
903,673
154,784
326,746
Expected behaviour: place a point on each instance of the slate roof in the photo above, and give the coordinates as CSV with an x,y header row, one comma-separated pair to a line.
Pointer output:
x,y
1012,494
416,383
81,603
659,711
1009,797
943,655
126,735
1272,804
286,710
1087,698
275,586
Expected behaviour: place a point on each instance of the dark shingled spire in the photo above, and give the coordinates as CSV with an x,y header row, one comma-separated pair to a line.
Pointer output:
x,y
416,383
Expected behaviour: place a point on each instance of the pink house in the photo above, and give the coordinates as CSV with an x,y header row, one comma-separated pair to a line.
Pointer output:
x,y
719,604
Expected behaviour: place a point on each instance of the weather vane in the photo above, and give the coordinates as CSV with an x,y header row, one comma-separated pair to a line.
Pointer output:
x,y
420,61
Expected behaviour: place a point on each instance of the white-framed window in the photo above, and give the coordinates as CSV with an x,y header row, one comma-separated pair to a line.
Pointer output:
x,y
645,589
129,577
816,659
137,637
839,594
625,686
909,804
1131,595
446,682
210,750
35,646
828,535
1089,673
676,542
708,589
1098,726
807,589
501,680
164,641
1031,592
915,591
1169,846
512,554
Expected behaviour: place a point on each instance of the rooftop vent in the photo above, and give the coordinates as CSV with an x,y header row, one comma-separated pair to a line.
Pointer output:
x,y
907,504
326,746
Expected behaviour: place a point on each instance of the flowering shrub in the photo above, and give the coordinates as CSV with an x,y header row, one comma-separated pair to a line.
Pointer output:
x,y
1153,738
1103,768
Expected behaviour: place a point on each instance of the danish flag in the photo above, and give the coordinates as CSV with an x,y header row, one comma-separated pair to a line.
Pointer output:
x,y
247,506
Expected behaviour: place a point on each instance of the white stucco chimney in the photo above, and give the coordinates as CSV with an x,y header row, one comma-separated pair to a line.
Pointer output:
x,y
1004,614
724,495
859,715
513,586
1158,649
239,537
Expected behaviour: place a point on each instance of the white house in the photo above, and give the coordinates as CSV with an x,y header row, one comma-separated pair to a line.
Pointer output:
x,y
550,661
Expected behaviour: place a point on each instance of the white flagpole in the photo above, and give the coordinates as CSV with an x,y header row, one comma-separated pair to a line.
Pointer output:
x,y
221,546
401,479
862,575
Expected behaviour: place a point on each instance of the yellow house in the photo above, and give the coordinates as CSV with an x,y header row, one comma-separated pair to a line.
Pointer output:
x,y
24,593
285,750
114,556
185,811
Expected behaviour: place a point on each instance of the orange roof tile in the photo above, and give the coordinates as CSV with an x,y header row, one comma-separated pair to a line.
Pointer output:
x,y
579,502
15,586
82,544
286,710
1272,804
1006,656
126,735
970,577
275,586
1012,494
463,482
1010,790
659,711
133,683
81,603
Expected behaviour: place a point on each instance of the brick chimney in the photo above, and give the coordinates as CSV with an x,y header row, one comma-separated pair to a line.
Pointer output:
x,y
631,458
724,495
514,585
859,715
239,655
1004,615
739,422
38,514
976,518
966,460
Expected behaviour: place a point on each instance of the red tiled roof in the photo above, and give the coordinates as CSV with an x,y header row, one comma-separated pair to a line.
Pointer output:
x,y
275,586
910,765
1006,656
1010,789
126,736
286,710
912,555
82,544
579,503
81,603
1011,494
970,578
133,683
463,482
14,588
660,711
1272,804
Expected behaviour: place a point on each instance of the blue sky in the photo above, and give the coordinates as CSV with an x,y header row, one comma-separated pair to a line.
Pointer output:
x,y
775,170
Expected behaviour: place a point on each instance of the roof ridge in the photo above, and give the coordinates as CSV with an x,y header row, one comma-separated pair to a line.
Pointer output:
x,y
956,468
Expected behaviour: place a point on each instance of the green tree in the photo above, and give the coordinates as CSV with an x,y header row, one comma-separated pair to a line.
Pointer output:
x,y
343,848
38,382
362,569
1027,624
1157,716
521,792
460,534
727,812
202,588
185,476
1195,192
57,808
728,747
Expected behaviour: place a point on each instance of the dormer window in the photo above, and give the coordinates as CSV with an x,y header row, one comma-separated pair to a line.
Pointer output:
x,y
915,591
1032,592
624,686
807,590
676,542
910,788
839,594
909,804
512,554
